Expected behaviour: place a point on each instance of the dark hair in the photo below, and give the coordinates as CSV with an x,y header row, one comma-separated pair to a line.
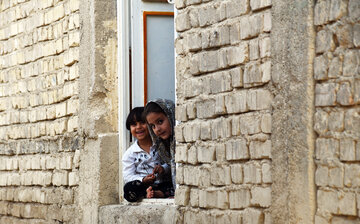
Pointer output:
x,y
134,116
152,108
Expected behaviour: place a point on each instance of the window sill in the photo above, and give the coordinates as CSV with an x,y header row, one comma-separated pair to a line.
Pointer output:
x,y
151,201
161,211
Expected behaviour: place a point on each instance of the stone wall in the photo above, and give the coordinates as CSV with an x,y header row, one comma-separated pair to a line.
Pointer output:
x,y
39,103
223,105
337,118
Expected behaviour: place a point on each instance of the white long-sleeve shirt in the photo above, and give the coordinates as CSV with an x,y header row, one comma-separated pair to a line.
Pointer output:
x,y
137,163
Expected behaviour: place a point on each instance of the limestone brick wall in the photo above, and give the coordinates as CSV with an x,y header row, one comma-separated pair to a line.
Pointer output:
x,y
337,118
223,106
39,143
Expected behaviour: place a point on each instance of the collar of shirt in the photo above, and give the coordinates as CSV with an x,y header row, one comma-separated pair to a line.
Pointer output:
x,y
139,149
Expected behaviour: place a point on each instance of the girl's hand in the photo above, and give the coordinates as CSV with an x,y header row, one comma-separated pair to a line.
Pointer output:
x,y
158,169
149,179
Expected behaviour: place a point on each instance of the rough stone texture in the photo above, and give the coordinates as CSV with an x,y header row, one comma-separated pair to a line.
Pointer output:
x,y
49,115
293,188
337,111
99,165
267,103
225,155
39,112
135,213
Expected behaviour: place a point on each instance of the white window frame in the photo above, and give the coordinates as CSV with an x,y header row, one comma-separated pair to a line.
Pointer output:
x,y
123,36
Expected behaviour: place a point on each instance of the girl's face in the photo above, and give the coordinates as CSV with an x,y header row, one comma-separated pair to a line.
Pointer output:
x,y
160,124
139,130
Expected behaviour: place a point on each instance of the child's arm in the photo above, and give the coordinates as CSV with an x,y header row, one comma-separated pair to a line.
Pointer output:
x,y
167,168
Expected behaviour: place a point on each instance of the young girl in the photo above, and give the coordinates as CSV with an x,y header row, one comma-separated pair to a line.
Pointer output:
x,y
160,117
142,166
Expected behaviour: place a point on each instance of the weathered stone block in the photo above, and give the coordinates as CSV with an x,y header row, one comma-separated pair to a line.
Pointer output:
x,y
327,201
238,55
321,122
182,195
236,173
259,4
357,92
354,10
351,63
181,154
204,179
336,176
347,150
208,61
179,133
347,203
236,150
193,41
235,128
356,35
324,42
266,123
265,47
344,95
194,17
236,8
337,9
236,102
261,196
66,162
191,132
74,178
191,176
252,173
260,150
220,152
343,220
239,198
352,121
327,148
252,215
221,128
216,37
179,4
192,155
266,173
252,74
325,94
321,10
60,178
251,26
321,67
220,108
259,99
206,15
235,33
250,125
322,176
194,197
213,199
206,154
220,82
352,178
182,21
336,121
180,175
220,176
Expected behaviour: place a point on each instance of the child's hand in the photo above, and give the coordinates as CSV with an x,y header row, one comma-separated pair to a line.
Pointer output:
x,y
158,169
149,179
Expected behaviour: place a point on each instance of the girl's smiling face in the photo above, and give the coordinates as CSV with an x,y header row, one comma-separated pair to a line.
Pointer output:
x,y
160,124
139,130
